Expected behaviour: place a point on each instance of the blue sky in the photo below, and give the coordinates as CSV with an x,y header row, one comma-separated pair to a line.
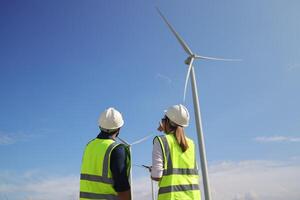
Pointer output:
x,y
63,62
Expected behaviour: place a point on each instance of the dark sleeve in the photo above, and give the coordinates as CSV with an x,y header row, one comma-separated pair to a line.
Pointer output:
x,y
118,168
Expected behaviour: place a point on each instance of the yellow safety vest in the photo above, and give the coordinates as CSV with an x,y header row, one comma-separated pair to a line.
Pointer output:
x,y
96,177
180,178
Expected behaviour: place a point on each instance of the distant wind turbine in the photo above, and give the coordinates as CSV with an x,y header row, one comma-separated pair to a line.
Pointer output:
x,y
189,61
129,148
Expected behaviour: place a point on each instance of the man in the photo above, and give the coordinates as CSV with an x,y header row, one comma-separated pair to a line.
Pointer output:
x,y
105,163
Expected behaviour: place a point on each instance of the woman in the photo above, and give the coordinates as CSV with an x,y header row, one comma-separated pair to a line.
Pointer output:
x,y
173,158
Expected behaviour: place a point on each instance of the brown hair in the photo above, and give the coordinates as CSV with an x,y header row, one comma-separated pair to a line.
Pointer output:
x,y
179,134
181,139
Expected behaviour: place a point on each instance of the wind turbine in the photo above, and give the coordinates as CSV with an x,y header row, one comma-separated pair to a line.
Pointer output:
x,y
189,61
129,148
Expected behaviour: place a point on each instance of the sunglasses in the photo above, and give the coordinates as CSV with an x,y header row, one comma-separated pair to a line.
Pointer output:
x,y
162,121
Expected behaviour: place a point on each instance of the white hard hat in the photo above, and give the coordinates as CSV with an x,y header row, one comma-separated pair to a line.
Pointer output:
x,y
179,115
111,119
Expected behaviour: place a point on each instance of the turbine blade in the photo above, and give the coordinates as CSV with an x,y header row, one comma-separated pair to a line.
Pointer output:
x,y
142,140
187,78
212,58
180,40
123,141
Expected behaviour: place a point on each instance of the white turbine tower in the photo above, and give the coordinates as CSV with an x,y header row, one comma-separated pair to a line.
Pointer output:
x,y
189,61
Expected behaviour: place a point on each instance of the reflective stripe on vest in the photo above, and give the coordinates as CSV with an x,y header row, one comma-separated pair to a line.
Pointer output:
x,y
88,195
179,181
178,188
96,179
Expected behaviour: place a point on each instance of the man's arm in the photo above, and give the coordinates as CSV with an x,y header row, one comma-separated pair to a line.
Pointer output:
x,y
118,167
124,195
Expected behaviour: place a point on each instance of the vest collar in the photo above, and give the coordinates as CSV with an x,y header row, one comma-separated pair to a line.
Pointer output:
x,y
102,135
170,133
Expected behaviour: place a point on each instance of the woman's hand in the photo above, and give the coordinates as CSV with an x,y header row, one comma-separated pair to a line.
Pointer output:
x,y
162,125
160,128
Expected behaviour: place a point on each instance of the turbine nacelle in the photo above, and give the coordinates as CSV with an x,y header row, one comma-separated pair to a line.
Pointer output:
x,y
189,59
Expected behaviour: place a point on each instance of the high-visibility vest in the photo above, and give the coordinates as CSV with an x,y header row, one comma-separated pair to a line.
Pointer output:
x,y
180,179
96,177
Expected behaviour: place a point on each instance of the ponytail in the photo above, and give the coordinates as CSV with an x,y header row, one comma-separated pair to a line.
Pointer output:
x,y
181,139
178,132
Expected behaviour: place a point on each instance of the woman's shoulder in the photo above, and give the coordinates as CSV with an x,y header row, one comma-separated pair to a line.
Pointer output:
x,y
157,137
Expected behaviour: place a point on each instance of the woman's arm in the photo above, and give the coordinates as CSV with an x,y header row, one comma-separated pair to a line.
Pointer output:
x,y
157,161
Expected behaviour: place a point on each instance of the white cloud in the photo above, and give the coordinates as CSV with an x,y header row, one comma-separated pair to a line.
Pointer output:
x,y
277,139
7,138
142,188
243,180
255,180
54,188
34,185
164,78
247,196
11,138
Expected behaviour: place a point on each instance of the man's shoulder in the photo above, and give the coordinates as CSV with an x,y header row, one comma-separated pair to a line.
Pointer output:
x,y
119,146
120,149
91,141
